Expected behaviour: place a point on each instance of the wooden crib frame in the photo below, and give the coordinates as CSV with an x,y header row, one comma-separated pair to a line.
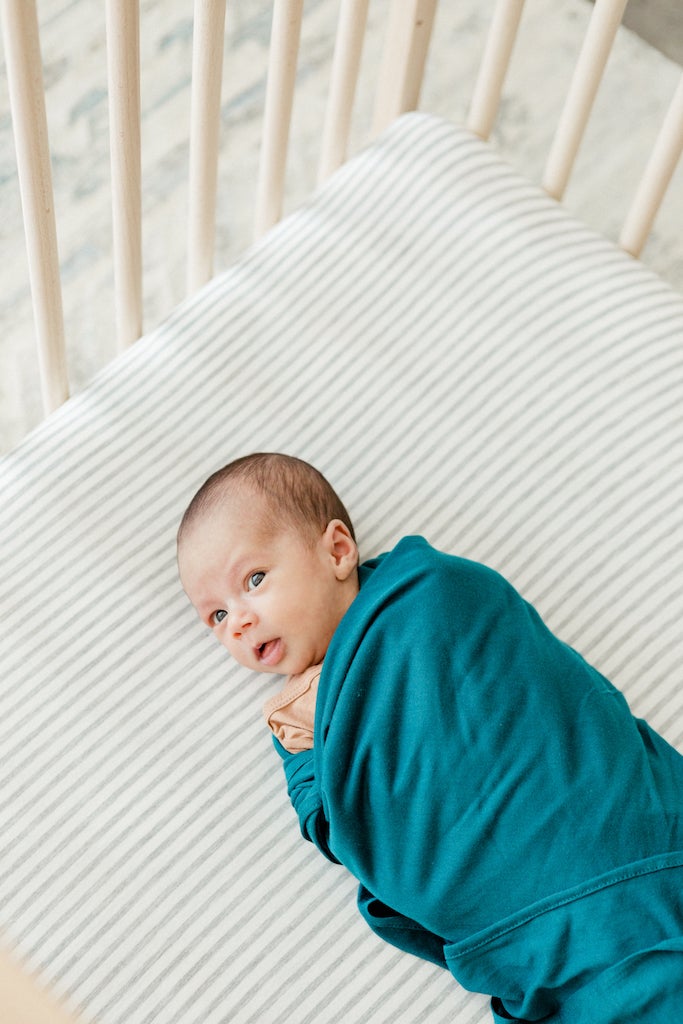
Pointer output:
x,y
398,90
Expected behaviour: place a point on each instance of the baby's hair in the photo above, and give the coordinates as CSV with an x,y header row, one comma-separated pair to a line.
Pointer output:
x,y
293,492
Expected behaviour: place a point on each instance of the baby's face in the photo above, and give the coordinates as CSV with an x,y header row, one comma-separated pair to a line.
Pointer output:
x,y
272,599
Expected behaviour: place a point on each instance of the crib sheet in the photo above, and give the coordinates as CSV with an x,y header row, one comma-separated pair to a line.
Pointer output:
x,y
463,360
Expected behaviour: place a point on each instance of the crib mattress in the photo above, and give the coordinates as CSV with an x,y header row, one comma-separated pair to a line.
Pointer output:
x,y
463,360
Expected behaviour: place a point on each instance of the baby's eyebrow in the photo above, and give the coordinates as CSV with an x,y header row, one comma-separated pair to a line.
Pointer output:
x,y
237,570
205,610
232,573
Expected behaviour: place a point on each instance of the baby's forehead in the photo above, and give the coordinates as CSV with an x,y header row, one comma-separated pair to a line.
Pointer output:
x,y
247,518
232,521
242,515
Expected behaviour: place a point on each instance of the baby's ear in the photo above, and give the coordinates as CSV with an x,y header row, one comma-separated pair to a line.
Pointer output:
x,y
342,548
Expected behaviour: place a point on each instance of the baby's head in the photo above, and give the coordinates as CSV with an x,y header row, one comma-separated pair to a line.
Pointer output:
x,y
268,557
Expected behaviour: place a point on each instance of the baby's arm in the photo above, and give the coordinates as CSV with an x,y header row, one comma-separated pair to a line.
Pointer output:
x,y
305,797
390,926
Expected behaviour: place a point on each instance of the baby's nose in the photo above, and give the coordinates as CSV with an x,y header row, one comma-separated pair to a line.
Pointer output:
x,y
243,621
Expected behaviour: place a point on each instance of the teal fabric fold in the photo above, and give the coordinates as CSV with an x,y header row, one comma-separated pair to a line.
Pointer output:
x,y
505,813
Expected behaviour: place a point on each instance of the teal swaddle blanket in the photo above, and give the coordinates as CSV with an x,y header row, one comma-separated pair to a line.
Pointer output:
x,y
505,814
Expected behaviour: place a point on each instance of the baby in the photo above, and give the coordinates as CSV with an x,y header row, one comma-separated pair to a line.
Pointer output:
x,y
268,557
504,813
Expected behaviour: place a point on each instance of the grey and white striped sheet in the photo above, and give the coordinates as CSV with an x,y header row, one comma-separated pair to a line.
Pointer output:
x,y
463,360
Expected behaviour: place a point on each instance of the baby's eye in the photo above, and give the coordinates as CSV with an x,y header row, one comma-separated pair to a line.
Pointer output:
x,y
217,616
255,580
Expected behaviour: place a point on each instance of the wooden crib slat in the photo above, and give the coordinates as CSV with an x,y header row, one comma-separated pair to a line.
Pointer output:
x,y
27,98
207,72
497,52
345,65
602,29
656,177
284,52
123,63
403,62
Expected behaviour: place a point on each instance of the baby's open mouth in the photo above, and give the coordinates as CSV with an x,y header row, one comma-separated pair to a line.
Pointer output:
x,y
269,652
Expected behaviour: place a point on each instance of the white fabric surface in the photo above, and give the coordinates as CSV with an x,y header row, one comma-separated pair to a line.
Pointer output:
x,y
463,360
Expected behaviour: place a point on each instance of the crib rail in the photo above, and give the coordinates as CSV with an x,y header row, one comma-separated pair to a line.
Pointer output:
x,y
284,49
656,177
410,25
207,68
345,68
405,55
25,80
590,68
123,63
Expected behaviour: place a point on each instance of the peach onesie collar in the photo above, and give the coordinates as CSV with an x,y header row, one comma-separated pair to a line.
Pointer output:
x,y
290,714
